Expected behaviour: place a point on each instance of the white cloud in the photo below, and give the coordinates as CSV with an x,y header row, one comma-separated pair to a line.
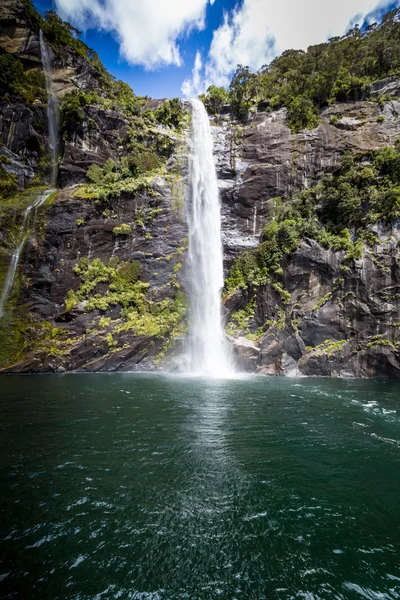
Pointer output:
x,y
147,30
193,86
258,30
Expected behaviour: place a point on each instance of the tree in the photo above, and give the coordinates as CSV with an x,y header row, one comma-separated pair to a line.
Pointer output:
x,y
243,91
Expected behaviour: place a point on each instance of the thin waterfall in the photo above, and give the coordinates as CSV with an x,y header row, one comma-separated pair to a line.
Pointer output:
x,y
52,109
208,351
52,118
9,281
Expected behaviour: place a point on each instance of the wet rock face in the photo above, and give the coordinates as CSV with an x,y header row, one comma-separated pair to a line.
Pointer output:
x,y
93,141
22,131
336,323
262,160
76,228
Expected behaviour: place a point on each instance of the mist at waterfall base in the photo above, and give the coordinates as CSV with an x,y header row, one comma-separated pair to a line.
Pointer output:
x,y
208,351
163,488
52,109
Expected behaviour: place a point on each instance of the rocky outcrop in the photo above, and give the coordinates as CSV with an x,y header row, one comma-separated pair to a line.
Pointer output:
x,y
262,159
76,228
337,321
19,35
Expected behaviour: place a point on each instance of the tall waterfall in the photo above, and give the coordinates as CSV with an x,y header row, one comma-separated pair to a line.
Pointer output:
x,y
208,350
52,109
9,280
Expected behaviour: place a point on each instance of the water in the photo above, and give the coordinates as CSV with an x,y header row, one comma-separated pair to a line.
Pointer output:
x,y
52,109
162,488
208,350
20,243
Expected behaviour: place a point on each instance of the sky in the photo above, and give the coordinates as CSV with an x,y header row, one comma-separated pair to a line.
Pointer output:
x,y
177,48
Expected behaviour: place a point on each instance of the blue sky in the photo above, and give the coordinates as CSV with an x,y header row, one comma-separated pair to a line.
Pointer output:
x,y
167,48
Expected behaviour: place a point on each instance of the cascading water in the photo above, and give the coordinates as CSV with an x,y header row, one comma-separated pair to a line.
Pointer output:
x,y
52,117
52,109
8,284
208,351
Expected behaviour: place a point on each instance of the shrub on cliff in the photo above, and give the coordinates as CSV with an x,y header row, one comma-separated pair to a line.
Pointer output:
x,y
214,98
171,114
15,81
123,229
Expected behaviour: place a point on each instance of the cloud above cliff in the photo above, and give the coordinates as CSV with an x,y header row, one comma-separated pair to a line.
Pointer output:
x,y
148,30
206,39
256,31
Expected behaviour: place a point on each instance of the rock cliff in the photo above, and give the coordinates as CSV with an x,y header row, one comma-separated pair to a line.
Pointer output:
x,y
102,282
339,318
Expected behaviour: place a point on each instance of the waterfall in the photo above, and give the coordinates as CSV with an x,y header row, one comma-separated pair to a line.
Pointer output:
x,y
208,351
52,109
9,281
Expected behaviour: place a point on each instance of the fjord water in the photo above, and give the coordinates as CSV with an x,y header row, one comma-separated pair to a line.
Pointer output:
x,y
157,487
208,352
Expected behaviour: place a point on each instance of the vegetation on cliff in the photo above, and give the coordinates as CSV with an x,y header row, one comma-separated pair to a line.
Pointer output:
x,y
338,213
303,82
59,34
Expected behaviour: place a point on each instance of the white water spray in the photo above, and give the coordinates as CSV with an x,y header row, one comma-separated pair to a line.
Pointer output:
x,y
52,109
9,281
208,351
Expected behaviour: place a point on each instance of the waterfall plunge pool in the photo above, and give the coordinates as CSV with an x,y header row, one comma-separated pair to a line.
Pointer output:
x,y
158,487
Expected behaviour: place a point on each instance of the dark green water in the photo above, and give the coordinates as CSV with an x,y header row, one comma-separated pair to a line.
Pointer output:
x,y
154,488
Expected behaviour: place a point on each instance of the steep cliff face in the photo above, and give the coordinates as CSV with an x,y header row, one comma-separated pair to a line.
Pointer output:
x,y
324,315
102,282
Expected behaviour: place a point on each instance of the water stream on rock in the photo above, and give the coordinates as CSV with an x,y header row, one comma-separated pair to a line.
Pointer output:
x,y
208,351
52,109
52,116
9,281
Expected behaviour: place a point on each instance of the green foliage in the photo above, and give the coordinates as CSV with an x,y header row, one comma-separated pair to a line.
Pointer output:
x,y
328,348
125,99
243,91
171,114
111,181
123,287
142,159
302,114
355,195
122,279
258,266
95,173
8,183
123,229
15,81
214,98
72,109
116,95
240,319
378,340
